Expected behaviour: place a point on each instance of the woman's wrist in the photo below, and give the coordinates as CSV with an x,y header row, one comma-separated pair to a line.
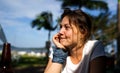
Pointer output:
x,y
59,55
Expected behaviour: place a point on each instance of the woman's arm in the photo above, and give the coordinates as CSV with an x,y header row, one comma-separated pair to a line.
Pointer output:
x,y
48,65
59,57
53,67
55,64
98,65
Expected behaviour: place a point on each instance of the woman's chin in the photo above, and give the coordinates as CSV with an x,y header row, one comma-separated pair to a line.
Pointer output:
x,y
63,43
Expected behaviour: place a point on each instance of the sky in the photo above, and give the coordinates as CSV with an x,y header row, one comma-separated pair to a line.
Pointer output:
x,y
16,17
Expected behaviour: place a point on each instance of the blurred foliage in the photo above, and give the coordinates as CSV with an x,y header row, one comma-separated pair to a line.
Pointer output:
x,y
105,27
26,61
88,4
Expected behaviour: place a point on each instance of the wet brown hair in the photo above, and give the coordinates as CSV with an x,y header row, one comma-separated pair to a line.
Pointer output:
x,y
80,19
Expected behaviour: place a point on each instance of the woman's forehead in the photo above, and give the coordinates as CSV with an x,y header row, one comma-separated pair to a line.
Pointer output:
x,y
65,20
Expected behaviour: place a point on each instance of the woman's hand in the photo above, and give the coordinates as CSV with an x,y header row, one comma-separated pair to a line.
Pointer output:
x,y
56,41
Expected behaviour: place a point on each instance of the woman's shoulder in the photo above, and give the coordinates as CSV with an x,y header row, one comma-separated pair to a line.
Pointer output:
x,y
93,41
90,44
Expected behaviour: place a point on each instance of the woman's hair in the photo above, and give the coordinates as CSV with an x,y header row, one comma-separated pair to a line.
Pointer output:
x,y
80,19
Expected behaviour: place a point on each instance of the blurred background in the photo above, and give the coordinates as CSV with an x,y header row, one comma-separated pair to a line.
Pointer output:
x,y
28,25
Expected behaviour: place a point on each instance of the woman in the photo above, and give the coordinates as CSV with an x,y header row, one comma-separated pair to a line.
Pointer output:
x,y
75,52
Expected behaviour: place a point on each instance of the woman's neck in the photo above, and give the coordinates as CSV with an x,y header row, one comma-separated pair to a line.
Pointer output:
x,y
76,54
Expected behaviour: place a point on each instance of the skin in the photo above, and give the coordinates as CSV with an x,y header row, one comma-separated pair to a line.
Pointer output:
x,y
67,38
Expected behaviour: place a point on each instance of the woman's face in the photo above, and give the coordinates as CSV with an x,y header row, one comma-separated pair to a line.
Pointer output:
x,y
68,34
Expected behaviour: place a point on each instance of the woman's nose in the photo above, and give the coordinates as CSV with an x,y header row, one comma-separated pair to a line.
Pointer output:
x,y
62,30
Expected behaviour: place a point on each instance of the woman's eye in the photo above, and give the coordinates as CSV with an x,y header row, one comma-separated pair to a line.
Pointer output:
x,y
67,26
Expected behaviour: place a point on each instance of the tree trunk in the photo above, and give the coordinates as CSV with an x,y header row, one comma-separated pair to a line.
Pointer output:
x,y
48,45
49,34
118,38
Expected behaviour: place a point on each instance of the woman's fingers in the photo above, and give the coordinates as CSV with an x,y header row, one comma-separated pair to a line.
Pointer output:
x,y
56,41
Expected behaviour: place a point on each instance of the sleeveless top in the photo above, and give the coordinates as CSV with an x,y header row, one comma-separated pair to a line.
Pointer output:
x,y
91,50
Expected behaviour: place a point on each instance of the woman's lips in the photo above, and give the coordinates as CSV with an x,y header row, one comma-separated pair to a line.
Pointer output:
x,y
62,39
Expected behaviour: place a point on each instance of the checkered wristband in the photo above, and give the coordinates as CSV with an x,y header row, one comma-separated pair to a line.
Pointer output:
x,y
59,55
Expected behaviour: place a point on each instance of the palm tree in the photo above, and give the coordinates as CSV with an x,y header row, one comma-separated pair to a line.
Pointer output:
x,y
44,20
